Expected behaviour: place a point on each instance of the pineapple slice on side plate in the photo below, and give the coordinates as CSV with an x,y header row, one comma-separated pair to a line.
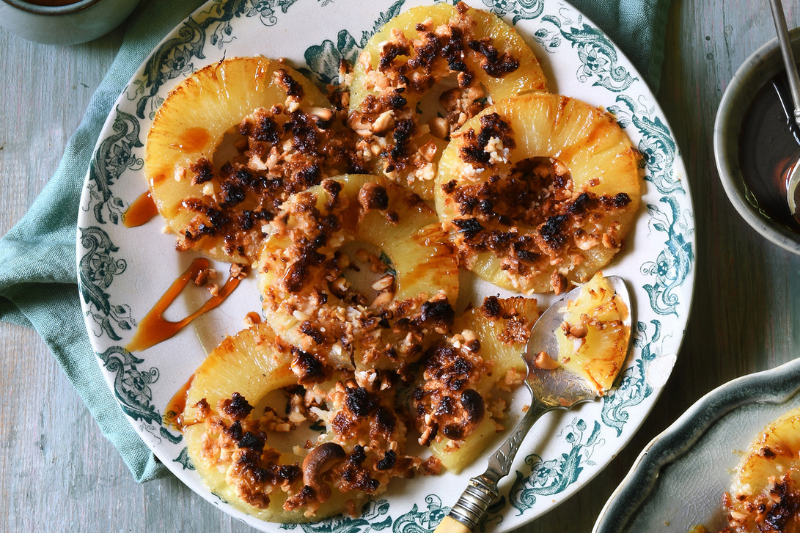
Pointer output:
x,y
403,66
501,328
765,495
228,446
537,191
593,339
310,303
215,209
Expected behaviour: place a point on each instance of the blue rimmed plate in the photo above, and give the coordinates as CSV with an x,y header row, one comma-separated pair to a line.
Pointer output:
x,y
679,478
124,271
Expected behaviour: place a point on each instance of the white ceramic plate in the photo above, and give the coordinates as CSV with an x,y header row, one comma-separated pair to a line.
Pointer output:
x,y
124,271
679,478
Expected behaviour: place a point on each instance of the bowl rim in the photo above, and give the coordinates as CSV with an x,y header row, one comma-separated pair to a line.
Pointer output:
x,y
775,386
35,9
728,119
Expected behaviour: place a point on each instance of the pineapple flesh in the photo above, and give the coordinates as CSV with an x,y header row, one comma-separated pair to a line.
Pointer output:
x,y
251,364
569,189
200,205
764,494
310,303
407,64
593,339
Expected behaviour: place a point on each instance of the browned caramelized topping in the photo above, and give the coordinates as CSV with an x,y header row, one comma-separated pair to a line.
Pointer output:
x,y
303,256
282,152
413,65
447,403
777,511
236,408
532,216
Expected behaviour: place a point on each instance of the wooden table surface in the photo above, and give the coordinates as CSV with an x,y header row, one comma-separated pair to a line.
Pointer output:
x,y
58,473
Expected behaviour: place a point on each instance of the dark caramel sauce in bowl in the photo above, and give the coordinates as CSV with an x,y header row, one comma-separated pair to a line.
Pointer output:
x,y
755,145
769,148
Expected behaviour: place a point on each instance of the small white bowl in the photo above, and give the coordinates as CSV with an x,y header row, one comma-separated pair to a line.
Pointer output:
x,y
751,76
75,23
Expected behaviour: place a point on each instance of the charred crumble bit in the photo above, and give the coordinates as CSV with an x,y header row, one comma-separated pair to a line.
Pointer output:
x,y
389,52
470,227
203,171
353,475
236,408
787,504
403,131
308,329
449,187
234,431
266,130
385,421
373,196
494,64
491,308
290,85
304,133
553,232
252,441
436,313
308,368
492,126
388,461
360,401
301,500
446,401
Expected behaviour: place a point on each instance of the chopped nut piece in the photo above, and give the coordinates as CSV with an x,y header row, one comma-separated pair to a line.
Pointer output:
x,y
543,361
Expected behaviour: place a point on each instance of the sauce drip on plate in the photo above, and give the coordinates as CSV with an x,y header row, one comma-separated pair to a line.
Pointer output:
x,y
173,414
769,147
154,328
141,211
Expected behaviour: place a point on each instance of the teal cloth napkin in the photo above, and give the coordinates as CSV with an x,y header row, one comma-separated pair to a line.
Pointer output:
x,y
38,275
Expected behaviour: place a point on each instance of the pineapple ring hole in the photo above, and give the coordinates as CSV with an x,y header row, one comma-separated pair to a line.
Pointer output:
x,y
431,106
286,441
368,264
229,149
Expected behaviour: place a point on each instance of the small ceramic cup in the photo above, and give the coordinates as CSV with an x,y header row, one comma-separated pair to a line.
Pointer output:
x,y
751,76
76,23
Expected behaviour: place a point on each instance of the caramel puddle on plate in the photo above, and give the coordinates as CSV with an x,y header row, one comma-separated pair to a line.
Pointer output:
x,y
154,328
141,211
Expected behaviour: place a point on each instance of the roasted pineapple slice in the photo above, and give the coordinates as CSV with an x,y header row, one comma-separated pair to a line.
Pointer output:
x,y
765,495
593,339
408,58
310,303
538,190
227,444
213,210
499,330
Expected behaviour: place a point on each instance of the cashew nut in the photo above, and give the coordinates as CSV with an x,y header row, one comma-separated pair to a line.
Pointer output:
x,y
318,461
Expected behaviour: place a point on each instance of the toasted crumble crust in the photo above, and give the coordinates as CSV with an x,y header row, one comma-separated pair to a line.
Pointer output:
x,y
529,214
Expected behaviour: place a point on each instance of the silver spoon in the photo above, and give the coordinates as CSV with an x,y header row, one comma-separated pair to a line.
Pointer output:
x,y
550,390
794,88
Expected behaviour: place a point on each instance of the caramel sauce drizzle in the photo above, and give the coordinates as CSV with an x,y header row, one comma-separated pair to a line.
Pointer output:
x,y
193,139
173,414
254,317
141,211
154,328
